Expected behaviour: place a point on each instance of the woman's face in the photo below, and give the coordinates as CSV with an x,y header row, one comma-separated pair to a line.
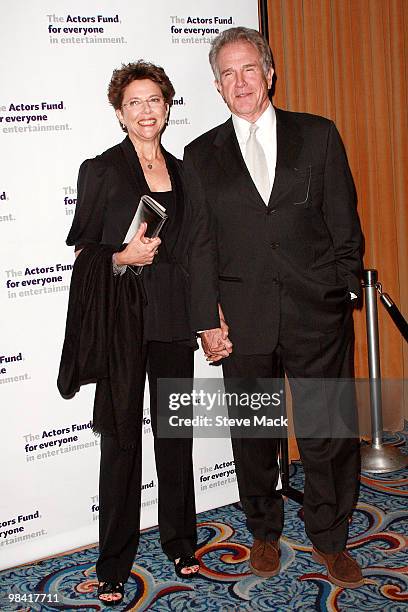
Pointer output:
x,y
144,110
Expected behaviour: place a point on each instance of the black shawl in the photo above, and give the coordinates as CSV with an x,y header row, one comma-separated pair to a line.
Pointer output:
x,y
104,342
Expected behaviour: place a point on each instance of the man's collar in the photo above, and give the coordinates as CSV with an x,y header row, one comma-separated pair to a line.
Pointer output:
x,y
265,122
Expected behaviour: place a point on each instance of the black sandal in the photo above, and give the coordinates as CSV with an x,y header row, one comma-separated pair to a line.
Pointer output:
x,y
186,561
109,588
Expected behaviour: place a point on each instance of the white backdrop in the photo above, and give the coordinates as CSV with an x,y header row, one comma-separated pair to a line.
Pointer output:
x,y
56,61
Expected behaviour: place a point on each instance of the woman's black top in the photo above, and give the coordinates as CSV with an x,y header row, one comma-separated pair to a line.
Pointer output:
x,y
166,289
109,189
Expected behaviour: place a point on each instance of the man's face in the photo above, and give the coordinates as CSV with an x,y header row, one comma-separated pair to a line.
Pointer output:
x,y
242,83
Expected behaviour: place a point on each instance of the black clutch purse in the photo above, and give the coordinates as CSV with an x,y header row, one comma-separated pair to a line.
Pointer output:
x,y
152,213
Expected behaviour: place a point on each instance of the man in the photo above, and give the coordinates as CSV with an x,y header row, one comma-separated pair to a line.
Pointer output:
x,y
275,264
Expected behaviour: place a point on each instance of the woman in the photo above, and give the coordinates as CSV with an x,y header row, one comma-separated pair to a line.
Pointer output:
x,y
109,189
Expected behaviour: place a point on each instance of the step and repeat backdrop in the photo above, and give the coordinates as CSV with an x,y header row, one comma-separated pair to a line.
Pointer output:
x,y
56,61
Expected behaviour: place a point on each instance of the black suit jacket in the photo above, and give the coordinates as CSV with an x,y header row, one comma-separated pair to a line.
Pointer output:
x,y
109,190
301,254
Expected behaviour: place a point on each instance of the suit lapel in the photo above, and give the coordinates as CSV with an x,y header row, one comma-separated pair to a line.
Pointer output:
x,y
289,144
130,166
229,156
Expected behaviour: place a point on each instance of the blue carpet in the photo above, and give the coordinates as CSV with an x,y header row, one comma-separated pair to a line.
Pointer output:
x,y
378,539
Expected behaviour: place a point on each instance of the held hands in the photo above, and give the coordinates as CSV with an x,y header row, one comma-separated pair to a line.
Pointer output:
x,y
215,342
140,251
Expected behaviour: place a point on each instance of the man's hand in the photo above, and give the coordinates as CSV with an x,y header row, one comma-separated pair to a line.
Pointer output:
x,y
215,342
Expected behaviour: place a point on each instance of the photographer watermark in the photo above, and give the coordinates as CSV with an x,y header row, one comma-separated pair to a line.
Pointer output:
x,y
246,408
213,399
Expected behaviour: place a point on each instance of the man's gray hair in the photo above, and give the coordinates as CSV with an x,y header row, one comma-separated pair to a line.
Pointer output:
x,y
233,35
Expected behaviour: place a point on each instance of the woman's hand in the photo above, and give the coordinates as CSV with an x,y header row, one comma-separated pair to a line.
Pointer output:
x,y
140,251
215,342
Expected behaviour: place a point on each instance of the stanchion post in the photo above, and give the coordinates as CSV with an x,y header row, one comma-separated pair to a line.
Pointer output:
x,y
376,458
373,346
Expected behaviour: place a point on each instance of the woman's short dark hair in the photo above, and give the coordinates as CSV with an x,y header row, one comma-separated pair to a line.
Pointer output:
x,y
137,71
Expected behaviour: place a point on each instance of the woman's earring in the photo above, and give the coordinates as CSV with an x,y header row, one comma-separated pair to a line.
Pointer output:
x,y
124,126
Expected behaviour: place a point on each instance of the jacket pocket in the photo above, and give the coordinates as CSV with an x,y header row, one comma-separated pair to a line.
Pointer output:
x,y
230,279
303,187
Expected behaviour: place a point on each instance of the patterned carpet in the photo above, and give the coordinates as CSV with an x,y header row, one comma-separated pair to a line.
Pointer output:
x,y
379,536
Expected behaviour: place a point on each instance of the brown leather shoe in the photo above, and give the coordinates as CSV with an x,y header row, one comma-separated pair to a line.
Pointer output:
x,y
342,569
264,558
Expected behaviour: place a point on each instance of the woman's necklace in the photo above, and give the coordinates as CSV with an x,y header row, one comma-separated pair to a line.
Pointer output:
x,y
149,162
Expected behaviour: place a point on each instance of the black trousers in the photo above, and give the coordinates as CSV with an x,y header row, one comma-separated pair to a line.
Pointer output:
x,y
331,465
121,474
